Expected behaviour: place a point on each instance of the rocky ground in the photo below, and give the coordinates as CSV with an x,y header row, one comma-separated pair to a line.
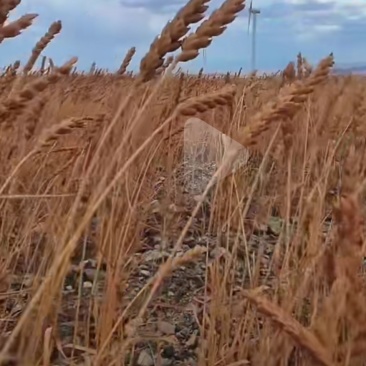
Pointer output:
x,y
176,313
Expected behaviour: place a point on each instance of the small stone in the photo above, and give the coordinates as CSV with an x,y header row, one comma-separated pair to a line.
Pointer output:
x,y
168,352
156,240
167,362
68,288
154,255
28,281
90,274
189,239
90,263
192,341
166,328
87,284
145,359
145,273
199,198
155,206
184,333
191,362
17,309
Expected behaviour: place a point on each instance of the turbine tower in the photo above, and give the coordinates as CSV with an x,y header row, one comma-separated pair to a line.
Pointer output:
x,y
253,12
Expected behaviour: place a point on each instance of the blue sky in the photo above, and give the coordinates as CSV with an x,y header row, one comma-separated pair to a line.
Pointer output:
x,y
103,30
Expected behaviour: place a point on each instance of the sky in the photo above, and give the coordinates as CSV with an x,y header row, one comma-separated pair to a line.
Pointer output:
x,y
103,30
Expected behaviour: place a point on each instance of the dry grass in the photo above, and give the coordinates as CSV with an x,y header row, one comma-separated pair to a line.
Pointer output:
x,y
105,259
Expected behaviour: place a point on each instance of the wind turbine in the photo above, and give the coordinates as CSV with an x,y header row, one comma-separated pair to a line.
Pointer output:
x,y
254,12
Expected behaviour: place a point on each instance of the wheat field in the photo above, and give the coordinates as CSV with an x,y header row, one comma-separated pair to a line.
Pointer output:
x,y
109,257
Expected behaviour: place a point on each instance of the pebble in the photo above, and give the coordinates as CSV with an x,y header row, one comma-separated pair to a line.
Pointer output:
x,y
145,273
168,352
167,362
145,359
87,284
154,255
90,274
166,328
192,341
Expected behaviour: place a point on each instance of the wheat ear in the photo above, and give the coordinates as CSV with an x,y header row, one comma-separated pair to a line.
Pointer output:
x,y
302,336
170,37
212,27
5,8
126,61
203,103
286,107
53,30
49,136
65,127
17,102
13,29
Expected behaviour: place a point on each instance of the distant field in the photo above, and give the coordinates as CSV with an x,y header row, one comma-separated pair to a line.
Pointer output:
x,y
361,70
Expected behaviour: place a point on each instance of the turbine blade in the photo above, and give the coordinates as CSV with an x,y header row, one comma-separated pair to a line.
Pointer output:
x,y
250,15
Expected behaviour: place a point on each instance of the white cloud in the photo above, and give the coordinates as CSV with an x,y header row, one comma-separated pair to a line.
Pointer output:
x,y
108,15
343,8
326,28
350,9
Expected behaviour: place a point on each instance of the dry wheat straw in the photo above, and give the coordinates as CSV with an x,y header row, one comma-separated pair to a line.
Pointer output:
x,y
347,255
300,66
343,310
168,41
289,73
33,114
43,65
60,264
52,64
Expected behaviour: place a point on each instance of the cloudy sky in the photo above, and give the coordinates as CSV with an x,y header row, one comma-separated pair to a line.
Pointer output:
x,y
103,30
